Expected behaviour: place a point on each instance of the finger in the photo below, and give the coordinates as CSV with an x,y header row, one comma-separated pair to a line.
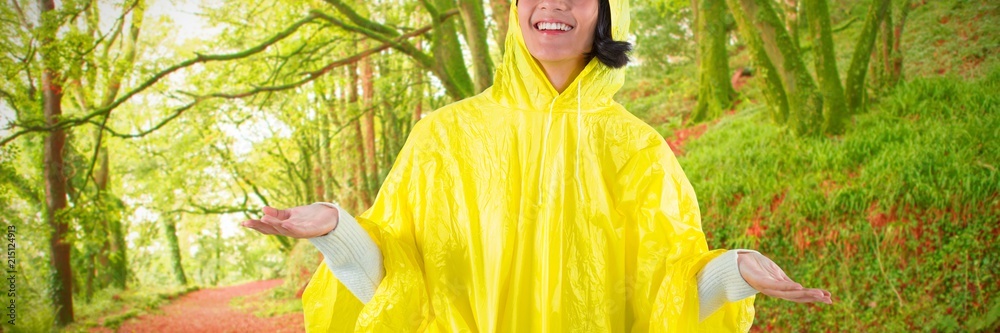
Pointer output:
x,y
820,296
279,213
782,285
271,220
260,227
809,296
798,296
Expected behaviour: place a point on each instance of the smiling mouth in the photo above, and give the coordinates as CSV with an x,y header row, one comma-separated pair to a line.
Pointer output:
x,y
553,26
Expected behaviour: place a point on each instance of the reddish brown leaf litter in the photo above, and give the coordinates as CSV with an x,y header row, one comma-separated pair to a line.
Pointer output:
x,y
209,310
676,142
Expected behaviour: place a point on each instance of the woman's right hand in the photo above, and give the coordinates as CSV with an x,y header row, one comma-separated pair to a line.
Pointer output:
x,y
300,222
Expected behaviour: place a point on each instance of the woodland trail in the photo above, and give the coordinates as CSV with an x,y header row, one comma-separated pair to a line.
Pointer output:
x,y
209,310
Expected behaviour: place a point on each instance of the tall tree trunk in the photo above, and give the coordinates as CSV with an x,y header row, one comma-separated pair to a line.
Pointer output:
x,y
323,167
855,84
114,259
368,126
715,92
475,37
896,70
90,271
334,170
792,19
307,148
103,255
834,106
361,194
218,254
55,177
173,247
500,12
448,58
774,91
882,55
418,110
118,259
804,102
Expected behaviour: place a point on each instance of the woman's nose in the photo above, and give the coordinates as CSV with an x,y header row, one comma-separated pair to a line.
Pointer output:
x,y
560,5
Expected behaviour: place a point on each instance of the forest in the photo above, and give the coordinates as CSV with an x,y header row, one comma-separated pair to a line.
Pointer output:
x,y
854,142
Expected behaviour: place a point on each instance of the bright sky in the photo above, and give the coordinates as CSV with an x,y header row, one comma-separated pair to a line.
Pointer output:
x,y
184,14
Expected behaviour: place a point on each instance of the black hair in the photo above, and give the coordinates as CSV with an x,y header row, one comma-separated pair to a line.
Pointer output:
x,y
608,51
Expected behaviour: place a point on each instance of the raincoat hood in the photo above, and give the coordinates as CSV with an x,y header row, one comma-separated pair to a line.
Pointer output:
x,y
521,82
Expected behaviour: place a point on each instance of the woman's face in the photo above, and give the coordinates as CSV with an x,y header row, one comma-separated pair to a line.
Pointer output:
x,y
558,30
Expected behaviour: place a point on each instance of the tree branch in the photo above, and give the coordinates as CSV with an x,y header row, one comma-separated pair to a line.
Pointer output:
x,y
309,77
420,57
199,58
20,15
362,21
202,210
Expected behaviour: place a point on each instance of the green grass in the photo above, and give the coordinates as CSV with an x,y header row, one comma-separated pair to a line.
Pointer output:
x,y
897,217
952,37
276,302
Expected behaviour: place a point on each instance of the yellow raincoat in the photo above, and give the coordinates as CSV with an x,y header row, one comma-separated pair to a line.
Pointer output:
x,y
525,210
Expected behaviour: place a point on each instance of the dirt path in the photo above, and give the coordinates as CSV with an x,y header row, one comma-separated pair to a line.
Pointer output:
x,y
208,310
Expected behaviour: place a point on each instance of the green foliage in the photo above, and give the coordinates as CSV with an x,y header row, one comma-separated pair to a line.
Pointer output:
x,y
663,35
897,217
662,99
922,165
111,307
35,312
300,266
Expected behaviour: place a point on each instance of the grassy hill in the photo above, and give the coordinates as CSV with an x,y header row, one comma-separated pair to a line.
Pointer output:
x,y
898,217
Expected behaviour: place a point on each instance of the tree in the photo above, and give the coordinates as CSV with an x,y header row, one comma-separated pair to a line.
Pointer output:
x,y
55,179
793,95
772,48
447,61
715,92
855,82
106,81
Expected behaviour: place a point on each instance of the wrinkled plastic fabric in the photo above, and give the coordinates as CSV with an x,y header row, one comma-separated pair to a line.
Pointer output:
x,y
525,210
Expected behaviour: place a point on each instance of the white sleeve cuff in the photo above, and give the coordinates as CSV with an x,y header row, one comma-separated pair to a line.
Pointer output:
x,y
351,255
719,282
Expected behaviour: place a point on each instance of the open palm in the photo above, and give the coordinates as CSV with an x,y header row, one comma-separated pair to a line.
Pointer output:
x,y
299,222
765,276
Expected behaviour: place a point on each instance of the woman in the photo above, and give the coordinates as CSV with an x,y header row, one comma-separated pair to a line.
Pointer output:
x,y
540,205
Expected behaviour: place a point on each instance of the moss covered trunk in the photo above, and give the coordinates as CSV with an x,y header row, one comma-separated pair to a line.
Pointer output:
x,y
54,168
715,92
173,247
774,91
834,105
804,102
448,59
855,84
474,18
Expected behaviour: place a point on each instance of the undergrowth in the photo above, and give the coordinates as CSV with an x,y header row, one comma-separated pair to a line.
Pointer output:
x,y
112,307
898,217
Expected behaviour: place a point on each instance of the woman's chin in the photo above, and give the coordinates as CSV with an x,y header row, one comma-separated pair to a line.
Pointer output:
x,y
560,57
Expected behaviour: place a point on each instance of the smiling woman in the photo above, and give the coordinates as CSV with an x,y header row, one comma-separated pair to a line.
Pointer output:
x,y
564,35
539,205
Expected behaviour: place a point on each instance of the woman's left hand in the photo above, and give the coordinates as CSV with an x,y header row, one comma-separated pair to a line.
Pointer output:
x,y
765,276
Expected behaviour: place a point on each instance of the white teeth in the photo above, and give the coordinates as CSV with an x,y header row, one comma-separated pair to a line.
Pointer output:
x,y
553,26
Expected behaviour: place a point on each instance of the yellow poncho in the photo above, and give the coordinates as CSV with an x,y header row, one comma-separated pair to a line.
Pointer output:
x,y
525,210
